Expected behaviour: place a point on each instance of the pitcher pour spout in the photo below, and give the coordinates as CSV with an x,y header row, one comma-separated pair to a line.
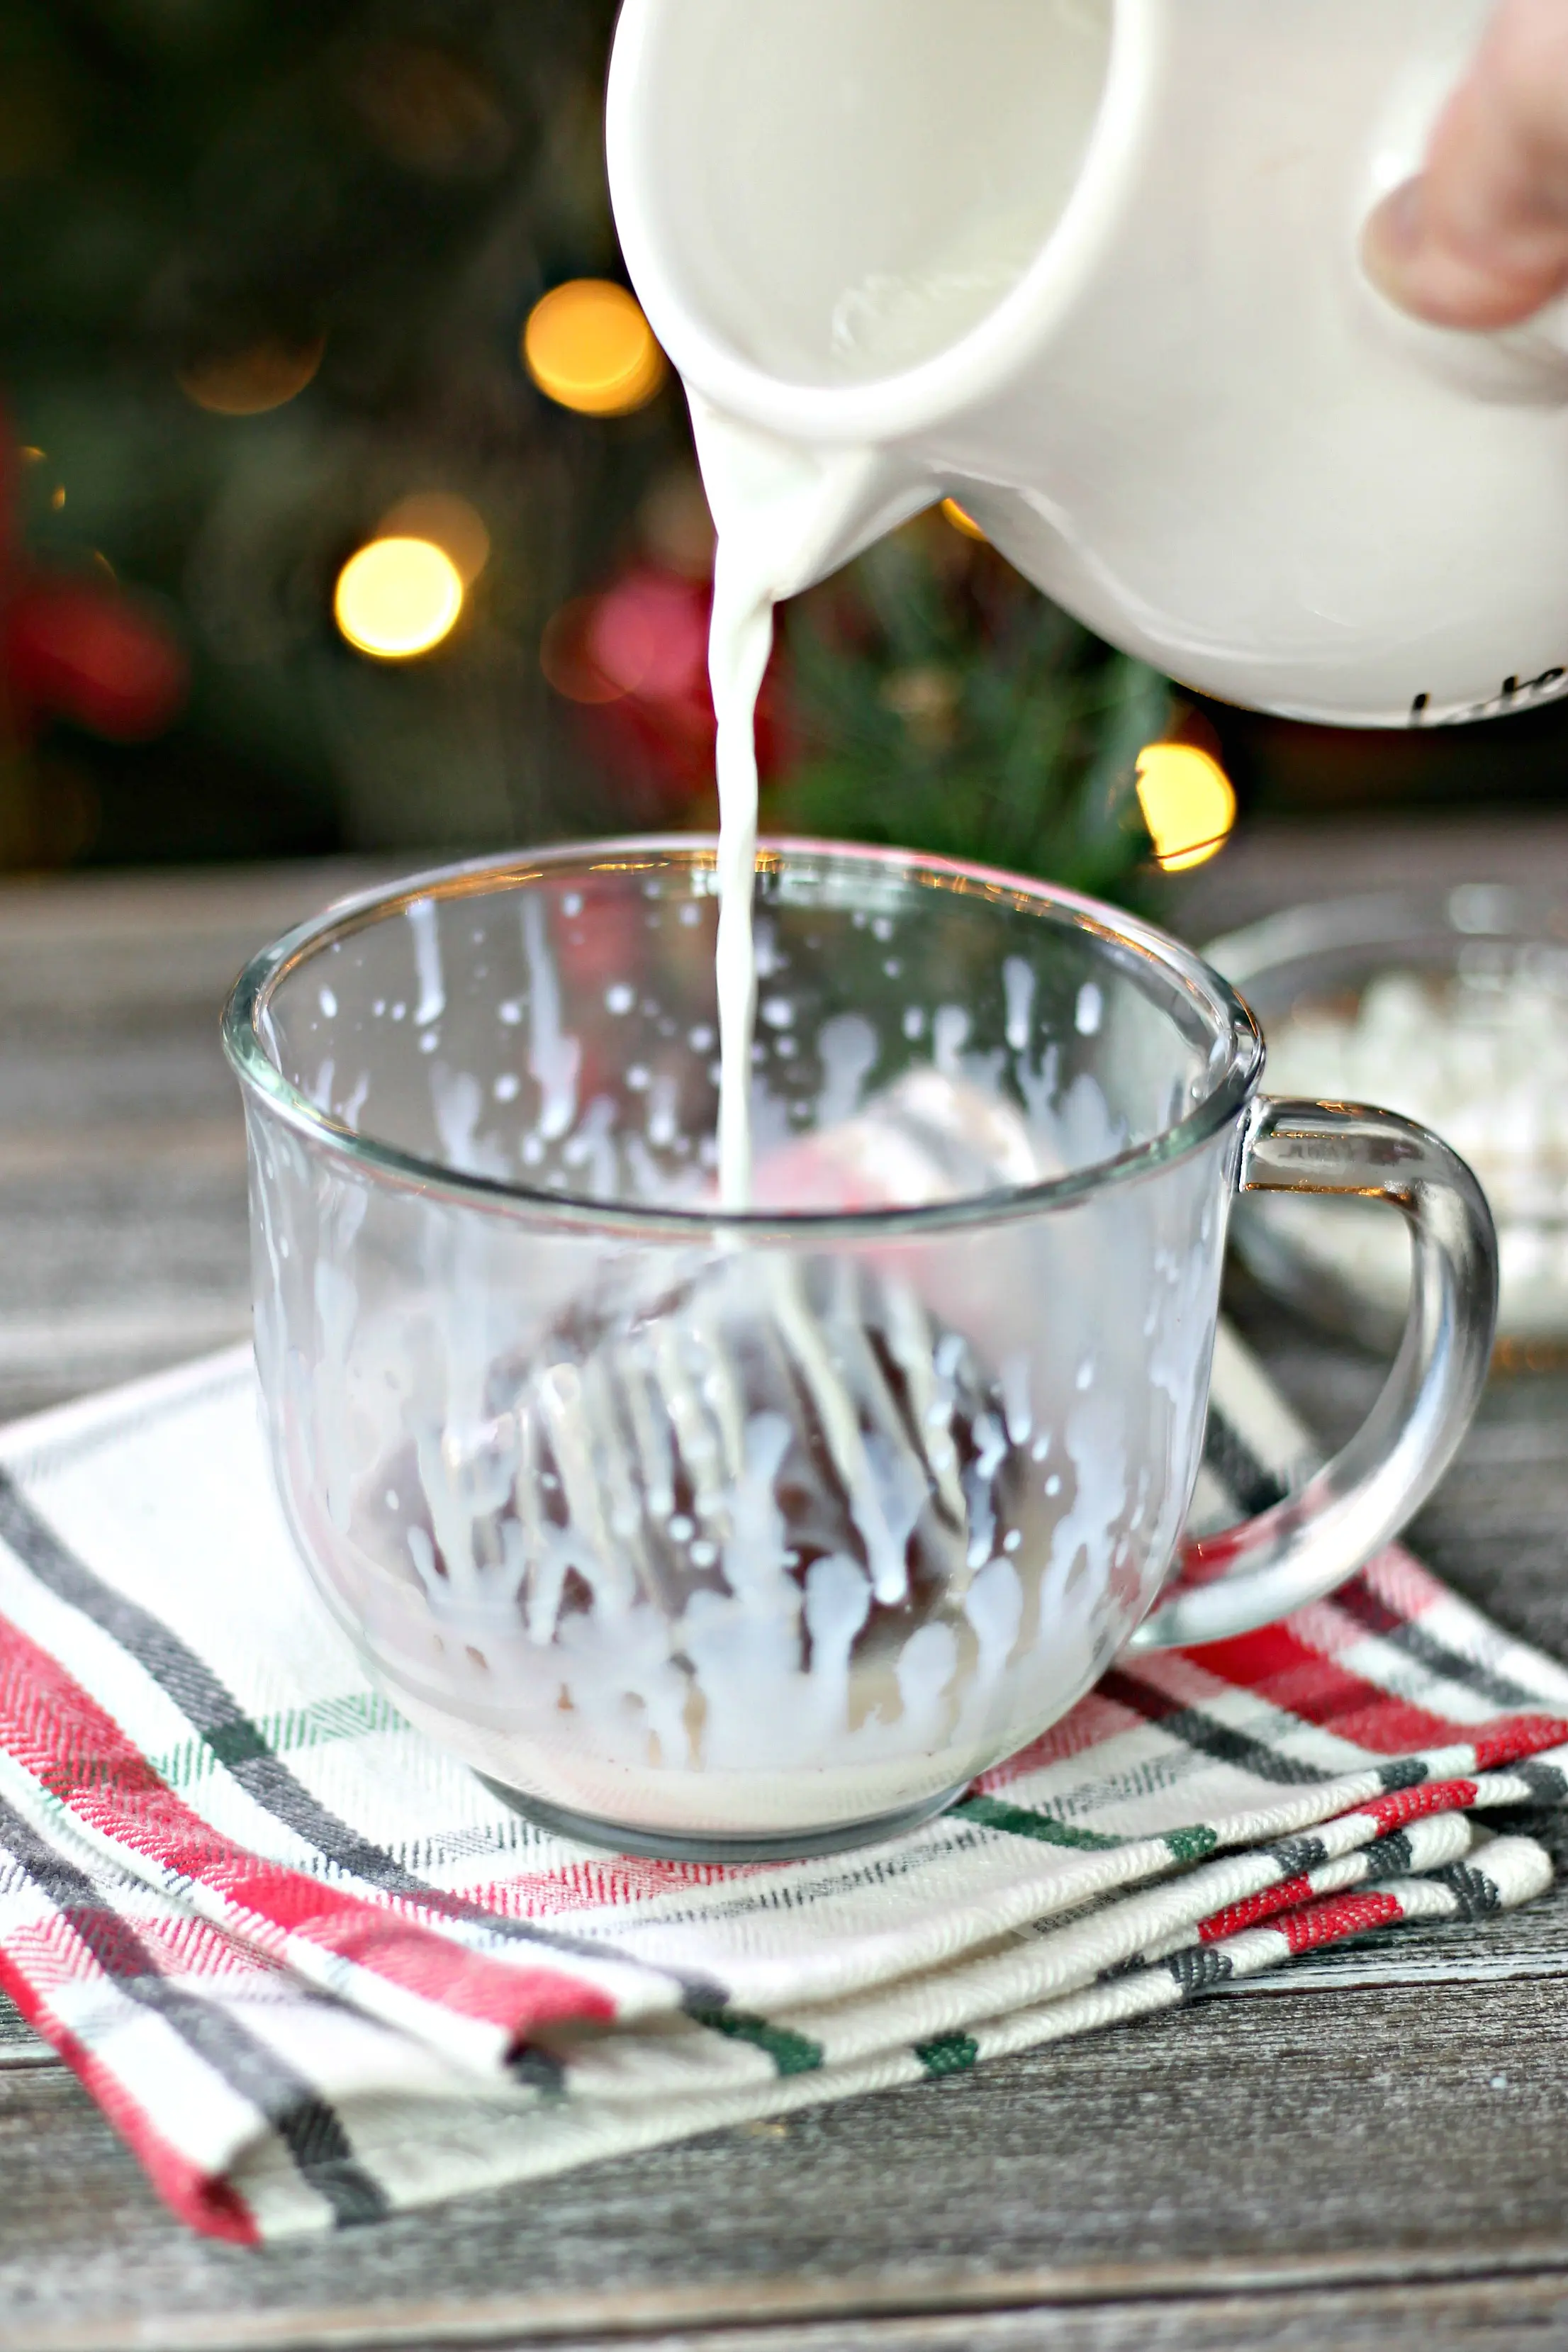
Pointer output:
x,y
789,513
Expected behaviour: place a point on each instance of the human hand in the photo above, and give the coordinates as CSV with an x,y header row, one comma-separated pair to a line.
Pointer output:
x,y
1481,238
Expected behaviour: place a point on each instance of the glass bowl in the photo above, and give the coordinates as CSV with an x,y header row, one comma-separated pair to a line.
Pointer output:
x,y
1451,1007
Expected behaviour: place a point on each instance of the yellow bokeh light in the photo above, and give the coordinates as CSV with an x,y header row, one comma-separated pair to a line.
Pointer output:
x,y
397,598
961,519
1188,804
588,346
265,375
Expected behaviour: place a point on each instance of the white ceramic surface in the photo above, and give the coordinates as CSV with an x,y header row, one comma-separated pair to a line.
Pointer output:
x,y
1091,266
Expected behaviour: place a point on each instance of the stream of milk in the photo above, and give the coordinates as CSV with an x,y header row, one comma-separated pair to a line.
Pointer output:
x,y
742,637
785,517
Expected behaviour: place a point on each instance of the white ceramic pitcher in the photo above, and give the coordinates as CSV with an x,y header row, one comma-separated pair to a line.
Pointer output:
x,y
1091,266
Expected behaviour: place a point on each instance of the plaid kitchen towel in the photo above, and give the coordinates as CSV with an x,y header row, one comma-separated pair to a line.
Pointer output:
x,y
315,1972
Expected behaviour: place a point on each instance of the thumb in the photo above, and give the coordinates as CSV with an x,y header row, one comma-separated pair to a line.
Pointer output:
x,y
1480,239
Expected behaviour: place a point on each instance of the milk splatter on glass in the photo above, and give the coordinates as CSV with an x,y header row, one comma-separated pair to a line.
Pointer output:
x,y
714,1544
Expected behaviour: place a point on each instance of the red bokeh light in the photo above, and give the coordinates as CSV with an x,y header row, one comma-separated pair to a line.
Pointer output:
x,y
634,659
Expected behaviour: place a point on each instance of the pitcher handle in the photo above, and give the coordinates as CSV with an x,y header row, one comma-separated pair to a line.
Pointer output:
x,y
1305,1546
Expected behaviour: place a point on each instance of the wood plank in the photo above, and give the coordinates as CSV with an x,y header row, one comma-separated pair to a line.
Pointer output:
x,y
123,1232
1493,2312
1491,2315
1488,2316
19,2045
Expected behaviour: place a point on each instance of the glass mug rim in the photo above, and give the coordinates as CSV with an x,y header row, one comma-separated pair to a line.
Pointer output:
x,y
244,1043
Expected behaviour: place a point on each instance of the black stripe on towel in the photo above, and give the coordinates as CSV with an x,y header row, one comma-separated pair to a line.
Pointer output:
x,y
310,2129
236,1743
1209,1737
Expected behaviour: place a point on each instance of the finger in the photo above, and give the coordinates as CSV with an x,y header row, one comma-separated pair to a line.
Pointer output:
x,y
1480,239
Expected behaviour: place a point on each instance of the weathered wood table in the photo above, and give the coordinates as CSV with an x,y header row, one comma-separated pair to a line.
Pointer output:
x,y
1373,2149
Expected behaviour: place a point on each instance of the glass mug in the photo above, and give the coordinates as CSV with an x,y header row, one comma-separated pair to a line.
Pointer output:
x,y
741,1537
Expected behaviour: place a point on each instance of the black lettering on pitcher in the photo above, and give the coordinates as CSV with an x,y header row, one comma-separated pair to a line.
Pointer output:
x,y
1510,695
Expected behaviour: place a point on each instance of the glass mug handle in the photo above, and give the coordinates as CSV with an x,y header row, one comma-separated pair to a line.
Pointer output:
x,y
1305,1546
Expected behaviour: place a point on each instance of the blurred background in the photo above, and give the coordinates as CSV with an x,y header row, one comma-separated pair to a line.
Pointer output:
x,y
347,504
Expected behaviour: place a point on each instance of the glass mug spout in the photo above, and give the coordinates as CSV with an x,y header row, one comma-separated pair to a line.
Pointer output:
x,y
740,1536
